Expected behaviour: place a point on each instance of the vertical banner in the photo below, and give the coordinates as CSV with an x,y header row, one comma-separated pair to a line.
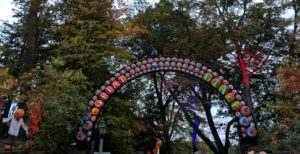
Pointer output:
x,y
195,135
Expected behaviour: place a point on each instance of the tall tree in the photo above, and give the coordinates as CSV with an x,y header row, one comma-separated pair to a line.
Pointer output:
x,y
249,35
283,112
31,34
88,32
56,102
171,31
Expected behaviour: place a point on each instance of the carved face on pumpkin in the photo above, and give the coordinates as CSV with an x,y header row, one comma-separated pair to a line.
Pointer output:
x,y
19,113
95,111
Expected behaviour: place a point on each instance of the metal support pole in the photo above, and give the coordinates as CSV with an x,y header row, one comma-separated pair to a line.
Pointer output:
x,y
101,145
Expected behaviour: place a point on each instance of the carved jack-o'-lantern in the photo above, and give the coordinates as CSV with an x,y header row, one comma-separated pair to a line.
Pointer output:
x,y
109,90
223,89
95,111
99,104
216,82
245,110
230,97
122,79
81,136
251,132
207,77
19,113
88,125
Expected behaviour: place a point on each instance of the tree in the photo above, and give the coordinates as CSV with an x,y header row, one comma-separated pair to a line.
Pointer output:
x,y
56,102
246,36
80,37
170,30
20,41
202,98
31,34
286,110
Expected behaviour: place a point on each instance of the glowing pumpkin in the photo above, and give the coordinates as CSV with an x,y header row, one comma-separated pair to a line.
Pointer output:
x,y
95,111
80,136
251,132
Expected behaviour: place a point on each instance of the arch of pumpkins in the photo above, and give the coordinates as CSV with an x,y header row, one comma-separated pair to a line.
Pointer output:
x,y
238,106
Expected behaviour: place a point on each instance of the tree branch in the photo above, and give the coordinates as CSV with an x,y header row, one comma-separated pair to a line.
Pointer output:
x,y
234,56
243,15
236,69
199,132
210,120
260,67
248,62
227,142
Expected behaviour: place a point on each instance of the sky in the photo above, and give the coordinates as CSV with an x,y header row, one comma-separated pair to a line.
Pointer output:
x,y
6,12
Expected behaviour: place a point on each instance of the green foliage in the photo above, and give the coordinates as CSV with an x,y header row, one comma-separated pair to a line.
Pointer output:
x,y
85,41
120,120
7,84
62,96
285,129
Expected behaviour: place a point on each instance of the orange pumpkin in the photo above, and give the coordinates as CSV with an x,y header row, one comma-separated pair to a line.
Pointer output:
x,y
19,113
95,111
88,125
8,147
99,104
81,136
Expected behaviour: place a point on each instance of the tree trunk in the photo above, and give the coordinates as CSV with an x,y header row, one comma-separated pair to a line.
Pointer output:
x,y
246,82
162,107
210,120
293,43
31,35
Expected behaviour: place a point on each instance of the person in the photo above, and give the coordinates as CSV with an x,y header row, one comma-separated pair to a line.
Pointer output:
x,y
256,149
16,123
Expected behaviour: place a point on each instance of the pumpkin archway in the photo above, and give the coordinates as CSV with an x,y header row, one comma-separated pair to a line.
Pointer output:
x,y
238,106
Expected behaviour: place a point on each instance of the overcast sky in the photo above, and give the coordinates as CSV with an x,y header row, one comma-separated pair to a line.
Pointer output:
x,y
6,13
6,7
